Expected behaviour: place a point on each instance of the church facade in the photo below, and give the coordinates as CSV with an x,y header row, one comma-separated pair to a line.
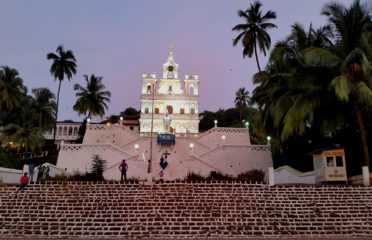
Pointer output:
x,y
169,108
170,101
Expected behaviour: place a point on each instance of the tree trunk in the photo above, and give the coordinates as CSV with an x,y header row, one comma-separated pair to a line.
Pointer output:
x,y
255,53
362,131
55,124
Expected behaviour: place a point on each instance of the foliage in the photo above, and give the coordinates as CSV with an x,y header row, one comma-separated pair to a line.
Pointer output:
x,y
63,65
130,112
93,98
242,100
253,32
251,176
12,90
98,167
318,84
194,177
255,175
7,159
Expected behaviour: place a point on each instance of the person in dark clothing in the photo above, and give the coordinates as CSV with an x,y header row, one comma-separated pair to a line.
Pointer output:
x,y
123,167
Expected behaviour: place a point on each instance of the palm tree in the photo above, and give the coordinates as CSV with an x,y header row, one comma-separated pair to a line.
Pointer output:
x,y
44,107
242,100
23,134
12,90
253,32
353,28
92,99
64,64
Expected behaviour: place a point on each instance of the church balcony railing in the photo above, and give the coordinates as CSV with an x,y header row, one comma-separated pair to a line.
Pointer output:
x,y
175,116
170,97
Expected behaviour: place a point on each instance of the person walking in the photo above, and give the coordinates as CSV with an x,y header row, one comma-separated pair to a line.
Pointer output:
x,y
123,167
23,181
31,169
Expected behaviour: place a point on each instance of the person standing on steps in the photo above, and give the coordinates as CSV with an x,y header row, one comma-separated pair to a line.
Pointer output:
x,y
123,167
161,176
23,181
31,169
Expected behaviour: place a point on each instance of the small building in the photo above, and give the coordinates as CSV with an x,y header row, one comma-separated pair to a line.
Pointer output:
x,y
329,165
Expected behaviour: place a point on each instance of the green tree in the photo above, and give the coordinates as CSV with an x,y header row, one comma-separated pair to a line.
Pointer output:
x,y
242,100
253,32
44,107
63,65
352,27
24,134
98,167
12,90
130,112
93,98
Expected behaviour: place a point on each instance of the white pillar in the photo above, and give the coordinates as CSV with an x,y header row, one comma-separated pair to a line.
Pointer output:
x,y
366,179
271,176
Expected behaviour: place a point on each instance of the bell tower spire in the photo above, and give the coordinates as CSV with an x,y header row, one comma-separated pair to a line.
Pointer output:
x,y
170,68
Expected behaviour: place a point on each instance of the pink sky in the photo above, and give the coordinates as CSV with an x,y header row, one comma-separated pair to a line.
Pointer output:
x,y
121,39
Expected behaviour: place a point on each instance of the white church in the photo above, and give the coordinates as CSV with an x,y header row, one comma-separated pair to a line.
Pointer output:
x,y
168,129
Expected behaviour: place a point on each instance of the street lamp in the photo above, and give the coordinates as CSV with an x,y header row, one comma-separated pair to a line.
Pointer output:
x,y
246,124
268,138
136,147
191,146
215,123
121,120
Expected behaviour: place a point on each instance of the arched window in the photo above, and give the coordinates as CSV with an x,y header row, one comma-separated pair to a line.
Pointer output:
x,y
148,88
169,109
70,131
191,90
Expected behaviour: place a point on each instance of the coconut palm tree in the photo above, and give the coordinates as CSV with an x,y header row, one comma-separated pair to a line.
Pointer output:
x,y
44,107
24,134
12,90
93,98
253,32
352,27
64,65
242,100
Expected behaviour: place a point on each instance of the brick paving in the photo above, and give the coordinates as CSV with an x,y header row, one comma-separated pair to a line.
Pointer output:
x,y
217,210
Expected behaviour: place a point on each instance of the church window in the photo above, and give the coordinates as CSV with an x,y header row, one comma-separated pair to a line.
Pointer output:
x,y
148,89
182,111
170,89
156,110
146,110
191,89
192,110
169,109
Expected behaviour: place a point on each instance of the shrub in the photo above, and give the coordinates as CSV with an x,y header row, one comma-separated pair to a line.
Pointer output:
x,y
254,175
194,177
98,167
219,176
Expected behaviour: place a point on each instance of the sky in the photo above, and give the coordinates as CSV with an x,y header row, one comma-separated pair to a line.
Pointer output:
x,y
121,39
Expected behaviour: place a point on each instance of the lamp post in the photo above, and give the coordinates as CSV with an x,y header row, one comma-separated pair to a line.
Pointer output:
x,y
121,120
215,123
191,146
136,147
246,124
268,138
149,177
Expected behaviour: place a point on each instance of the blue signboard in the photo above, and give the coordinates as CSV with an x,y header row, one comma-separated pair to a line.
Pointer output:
x,y
166,139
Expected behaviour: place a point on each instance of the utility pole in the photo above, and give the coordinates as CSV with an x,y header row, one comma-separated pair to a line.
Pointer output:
x,y
149,176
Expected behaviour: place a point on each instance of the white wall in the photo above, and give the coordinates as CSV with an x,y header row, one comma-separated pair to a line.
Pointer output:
x,y
288,175
8,175
232,156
